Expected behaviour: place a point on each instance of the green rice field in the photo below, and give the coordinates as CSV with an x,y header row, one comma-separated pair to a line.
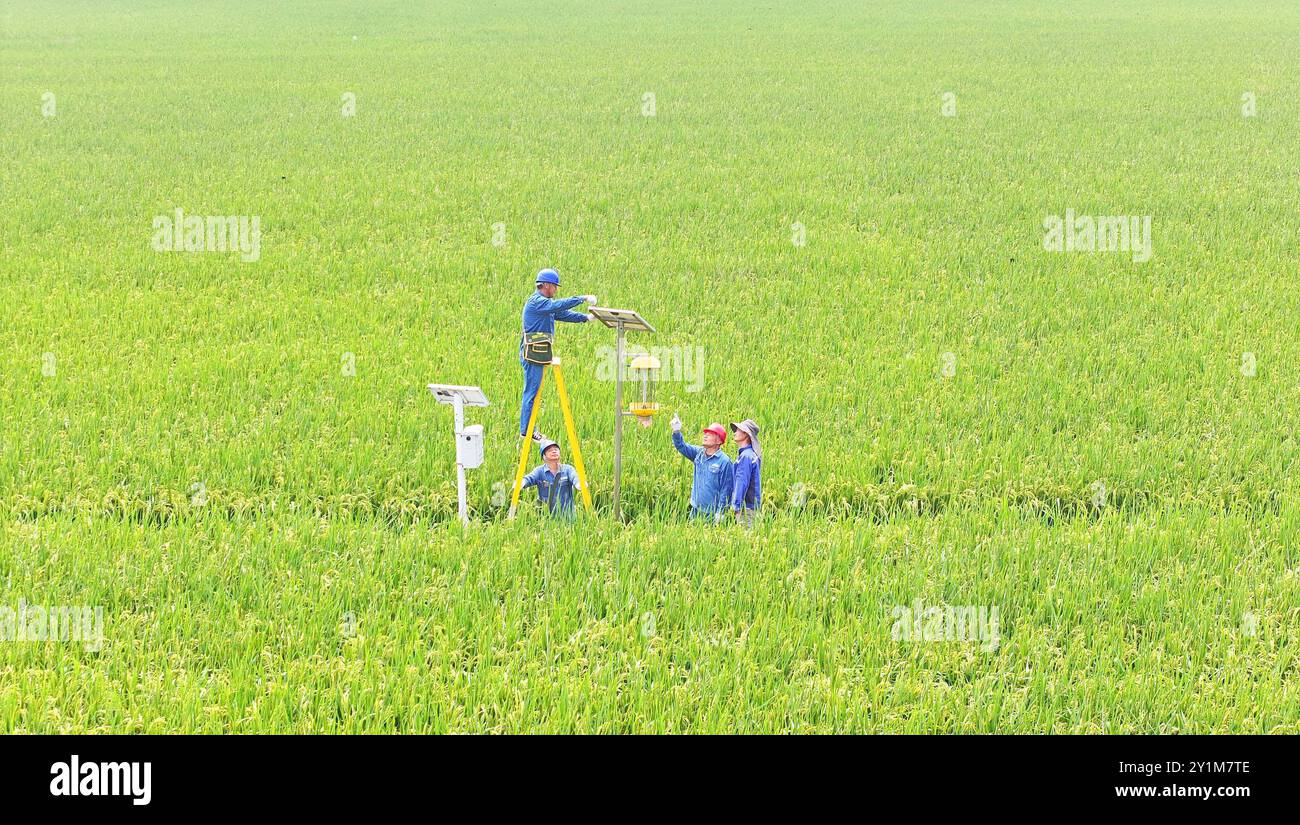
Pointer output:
x,y
839,215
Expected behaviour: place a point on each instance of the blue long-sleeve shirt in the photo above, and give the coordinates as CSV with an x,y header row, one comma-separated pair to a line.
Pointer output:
x,y
746,490
711,484
554,489
541,313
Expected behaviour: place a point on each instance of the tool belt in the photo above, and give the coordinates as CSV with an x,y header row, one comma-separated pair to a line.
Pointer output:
x,y
537,347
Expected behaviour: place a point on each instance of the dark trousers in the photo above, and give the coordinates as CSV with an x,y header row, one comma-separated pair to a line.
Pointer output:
x,y
532,383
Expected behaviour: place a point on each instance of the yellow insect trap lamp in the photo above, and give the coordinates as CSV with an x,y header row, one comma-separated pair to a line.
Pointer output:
x,y
644,372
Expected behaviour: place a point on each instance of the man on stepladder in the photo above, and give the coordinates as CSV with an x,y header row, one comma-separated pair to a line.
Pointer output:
x,y
541,311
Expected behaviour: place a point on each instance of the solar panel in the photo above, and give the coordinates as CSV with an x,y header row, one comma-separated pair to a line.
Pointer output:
x,y
630,319
471,396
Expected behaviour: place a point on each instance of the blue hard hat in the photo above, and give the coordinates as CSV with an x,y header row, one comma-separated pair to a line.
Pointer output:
x,y
548,276
546,445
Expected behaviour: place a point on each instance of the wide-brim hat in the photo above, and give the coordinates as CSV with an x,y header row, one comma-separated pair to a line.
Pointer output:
x,y
750,428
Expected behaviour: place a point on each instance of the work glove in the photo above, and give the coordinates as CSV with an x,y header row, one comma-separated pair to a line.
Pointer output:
x,y
676,423
590,317
590,299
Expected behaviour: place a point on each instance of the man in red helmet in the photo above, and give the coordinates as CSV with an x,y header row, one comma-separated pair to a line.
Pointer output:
x,y
712,482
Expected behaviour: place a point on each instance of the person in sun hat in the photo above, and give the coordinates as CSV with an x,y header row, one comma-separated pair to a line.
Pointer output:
x,y
555,482
746,488
541,311
712,482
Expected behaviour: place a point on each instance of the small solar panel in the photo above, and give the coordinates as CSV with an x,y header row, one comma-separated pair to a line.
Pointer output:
x,y
630,319
471,396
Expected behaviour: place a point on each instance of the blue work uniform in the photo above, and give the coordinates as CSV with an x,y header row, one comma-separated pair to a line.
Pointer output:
x,y
540,315
712,482
555,490
746,490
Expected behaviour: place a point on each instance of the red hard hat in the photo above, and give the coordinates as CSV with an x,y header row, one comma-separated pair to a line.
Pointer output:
x,y
718,430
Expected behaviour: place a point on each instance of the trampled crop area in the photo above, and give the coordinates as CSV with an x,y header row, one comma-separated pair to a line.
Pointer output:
x,y
1009,286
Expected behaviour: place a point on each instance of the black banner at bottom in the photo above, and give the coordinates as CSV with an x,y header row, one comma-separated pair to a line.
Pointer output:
x,y
340,775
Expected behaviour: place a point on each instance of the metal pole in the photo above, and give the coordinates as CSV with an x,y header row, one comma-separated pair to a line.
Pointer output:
x,y
459,406
618,422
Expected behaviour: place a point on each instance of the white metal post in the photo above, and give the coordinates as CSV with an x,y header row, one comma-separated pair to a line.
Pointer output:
x,y
458,404
618,421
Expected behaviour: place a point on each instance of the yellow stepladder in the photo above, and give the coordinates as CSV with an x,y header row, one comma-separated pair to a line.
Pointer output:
x,y
569,428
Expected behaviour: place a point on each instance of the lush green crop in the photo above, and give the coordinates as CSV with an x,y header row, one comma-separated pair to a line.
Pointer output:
x,y
239,462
